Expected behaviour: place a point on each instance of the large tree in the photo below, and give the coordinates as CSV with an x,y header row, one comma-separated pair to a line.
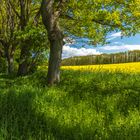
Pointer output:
x,y
84,18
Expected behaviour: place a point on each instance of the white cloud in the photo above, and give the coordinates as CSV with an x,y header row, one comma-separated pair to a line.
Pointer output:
x,y
69,51
116,34
116,42
123,47
117,45
113,36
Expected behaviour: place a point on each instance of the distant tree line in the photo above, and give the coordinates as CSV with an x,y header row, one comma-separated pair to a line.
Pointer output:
x,y
123,57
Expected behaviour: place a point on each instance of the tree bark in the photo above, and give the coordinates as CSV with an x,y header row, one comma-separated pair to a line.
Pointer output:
x,y
23,61
50,19
23,69
53,75
25,52
10,61
9,56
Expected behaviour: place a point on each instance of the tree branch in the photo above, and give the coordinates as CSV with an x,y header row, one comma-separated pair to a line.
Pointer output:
x,y
105,23
101,22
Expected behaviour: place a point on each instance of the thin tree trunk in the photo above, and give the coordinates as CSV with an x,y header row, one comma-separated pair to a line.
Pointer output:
x,y
9,56
23,63
25,52
10,62
23,69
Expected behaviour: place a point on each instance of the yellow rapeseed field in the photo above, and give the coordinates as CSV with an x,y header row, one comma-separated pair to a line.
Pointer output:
x,y
123,67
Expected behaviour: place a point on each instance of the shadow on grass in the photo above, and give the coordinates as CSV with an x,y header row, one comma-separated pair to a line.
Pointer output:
x,y
21,118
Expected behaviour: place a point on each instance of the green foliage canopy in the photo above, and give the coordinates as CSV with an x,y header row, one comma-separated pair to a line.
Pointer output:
x,y
95,18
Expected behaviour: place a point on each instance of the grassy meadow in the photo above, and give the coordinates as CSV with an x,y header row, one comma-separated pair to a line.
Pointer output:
x,y
90,103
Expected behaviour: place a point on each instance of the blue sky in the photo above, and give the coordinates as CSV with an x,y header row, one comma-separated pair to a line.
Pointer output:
x,y
117,44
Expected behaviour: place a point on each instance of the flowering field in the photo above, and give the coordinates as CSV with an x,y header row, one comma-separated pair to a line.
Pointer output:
x,y
124,67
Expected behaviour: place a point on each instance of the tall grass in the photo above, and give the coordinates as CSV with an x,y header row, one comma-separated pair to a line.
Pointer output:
x,y
84,106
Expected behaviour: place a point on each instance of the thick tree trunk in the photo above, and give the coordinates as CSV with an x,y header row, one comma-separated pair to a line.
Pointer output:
x,y
53,75
50,17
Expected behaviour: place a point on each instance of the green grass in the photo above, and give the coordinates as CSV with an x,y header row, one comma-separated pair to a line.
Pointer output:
x,y
84,106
